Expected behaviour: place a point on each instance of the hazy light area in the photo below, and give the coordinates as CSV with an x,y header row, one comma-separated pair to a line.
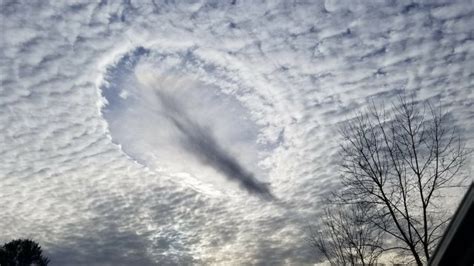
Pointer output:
x,y
171,122
181,132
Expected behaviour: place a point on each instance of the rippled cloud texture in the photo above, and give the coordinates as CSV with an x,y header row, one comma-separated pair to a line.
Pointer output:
x,y
99,177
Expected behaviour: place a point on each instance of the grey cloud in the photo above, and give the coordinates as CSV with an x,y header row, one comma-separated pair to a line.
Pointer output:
x,y
106,247
199,141
105,242
301,67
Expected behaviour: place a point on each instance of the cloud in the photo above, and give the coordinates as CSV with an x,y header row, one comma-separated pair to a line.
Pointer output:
x,y
199,141
160,118
265,86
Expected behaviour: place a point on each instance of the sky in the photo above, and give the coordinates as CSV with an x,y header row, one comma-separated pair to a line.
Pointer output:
x,y
203,132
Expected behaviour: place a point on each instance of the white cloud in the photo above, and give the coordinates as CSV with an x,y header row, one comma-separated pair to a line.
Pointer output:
x,y
294,69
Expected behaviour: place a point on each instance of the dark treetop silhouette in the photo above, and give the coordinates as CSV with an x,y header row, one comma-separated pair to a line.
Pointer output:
x,y
22,252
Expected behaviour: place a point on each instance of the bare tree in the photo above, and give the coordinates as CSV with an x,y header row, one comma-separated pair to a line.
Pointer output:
x,y
345,237
400,161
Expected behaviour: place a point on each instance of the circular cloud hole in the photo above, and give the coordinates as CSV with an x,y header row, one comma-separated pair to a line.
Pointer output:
x,y
171,122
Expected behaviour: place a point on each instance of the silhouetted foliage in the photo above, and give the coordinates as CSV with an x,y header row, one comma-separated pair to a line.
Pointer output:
x,y
22,252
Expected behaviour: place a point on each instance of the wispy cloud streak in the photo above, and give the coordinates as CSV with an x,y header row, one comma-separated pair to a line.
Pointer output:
x,y
200,142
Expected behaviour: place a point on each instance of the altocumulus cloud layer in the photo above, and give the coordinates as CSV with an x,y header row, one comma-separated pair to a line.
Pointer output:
x,y
97,169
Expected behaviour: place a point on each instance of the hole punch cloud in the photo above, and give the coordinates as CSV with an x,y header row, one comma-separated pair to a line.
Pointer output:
x,y
267,83
200,142
162,119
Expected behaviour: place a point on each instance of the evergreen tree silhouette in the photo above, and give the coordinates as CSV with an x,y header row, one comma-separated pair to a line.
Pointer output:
x,y
22,252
